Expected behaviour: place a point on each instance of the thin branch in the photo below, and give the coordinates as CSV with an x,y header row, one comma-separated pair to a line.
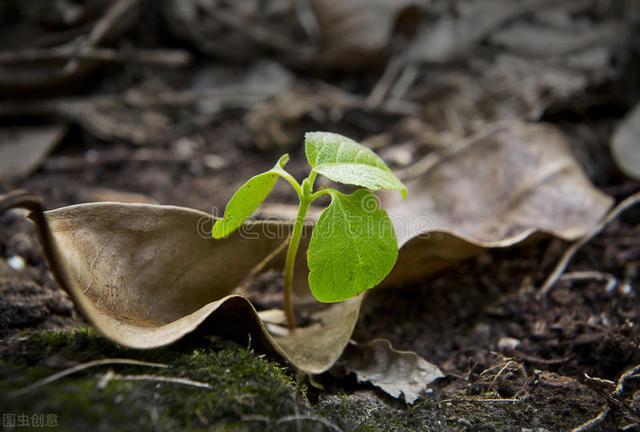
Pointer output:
x,y
631,373
151,56
594,423
258,268
575,247
102,29
388,79
156,379
81,367
611,280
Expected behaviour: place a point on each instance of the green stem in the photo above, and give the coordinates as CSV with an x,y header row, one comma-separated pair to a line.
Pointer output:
x,y
314,196
292,251
294,184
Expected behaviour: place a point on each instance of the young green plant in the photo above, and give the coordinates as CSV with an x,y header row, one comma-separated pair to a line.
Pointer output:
x,y
353,245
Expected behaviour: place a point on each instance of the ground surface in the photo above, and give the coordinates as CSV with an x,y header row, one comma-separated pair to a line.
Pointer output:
x,y
512,361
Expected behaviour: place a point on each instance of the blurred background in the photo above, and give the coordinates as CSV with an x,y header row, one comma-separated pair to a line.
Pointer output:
x,y
180,101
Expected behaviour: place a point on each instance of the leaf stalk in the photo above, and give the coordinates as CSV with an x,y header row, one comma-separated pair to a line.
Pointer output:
x,y
292,251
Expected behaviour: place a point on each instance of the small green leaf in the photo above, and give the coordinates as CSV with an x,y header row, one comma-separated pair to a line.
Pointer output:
x,y
247,199
353,247
345,161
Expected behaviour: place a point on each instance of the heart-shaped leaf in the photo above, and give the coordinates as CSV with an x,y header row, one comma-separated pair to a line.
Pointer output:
x,y
353,247
345,161
247,199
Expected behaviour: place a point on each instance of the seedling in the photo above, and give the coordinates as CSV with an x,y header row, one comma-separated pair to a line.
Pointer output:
x,y
353,245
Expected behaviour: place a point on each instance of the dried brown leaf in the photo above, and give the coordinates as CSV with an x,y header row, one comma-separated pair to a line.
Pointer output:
x,y
23,149
146,275
505,185
398,373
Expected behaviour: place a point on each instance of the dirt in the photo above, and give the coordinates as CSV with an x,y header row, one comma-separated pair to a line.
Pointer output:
x,y
514,361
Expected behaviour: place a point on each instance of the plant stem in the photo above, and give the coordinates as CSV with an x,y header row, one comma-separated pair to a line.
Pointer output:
x,y
292,251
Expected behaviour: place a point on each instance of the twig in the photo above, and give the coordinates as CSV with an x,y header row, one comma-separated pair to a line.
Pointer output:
x,y
109,20
404,83
101,29
571,251
81,367
491,400
258,268
634,372
611,280
154,378
542,361
613,399
72,163
433,159
172,57
307,19
593,423
387,81
260,33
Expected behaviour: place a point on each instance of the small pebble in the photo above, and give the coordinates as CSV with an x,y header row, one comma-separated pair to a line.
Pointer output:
x,y
214,161
16,262
508,343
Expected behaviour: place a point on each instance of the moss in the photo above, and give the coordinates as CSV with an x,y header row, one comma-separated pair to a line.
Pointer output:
x,y
249,391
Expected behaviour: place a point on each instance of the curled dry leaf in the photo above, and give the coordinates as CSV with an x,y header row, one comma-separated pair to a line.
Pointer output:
x,y
625,144
398,373
146,275
23,149
506,184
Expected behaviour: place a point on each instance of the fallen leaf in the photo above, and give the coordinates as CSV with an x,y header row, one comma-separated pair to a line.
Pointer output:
x,y
23,149
505,185
398,373
146,275
357,32
625,144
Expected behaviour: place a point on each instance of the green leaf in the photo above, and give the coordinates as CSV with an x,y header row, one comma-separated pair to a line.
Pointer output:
x,y
247,199
345,161
353,247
